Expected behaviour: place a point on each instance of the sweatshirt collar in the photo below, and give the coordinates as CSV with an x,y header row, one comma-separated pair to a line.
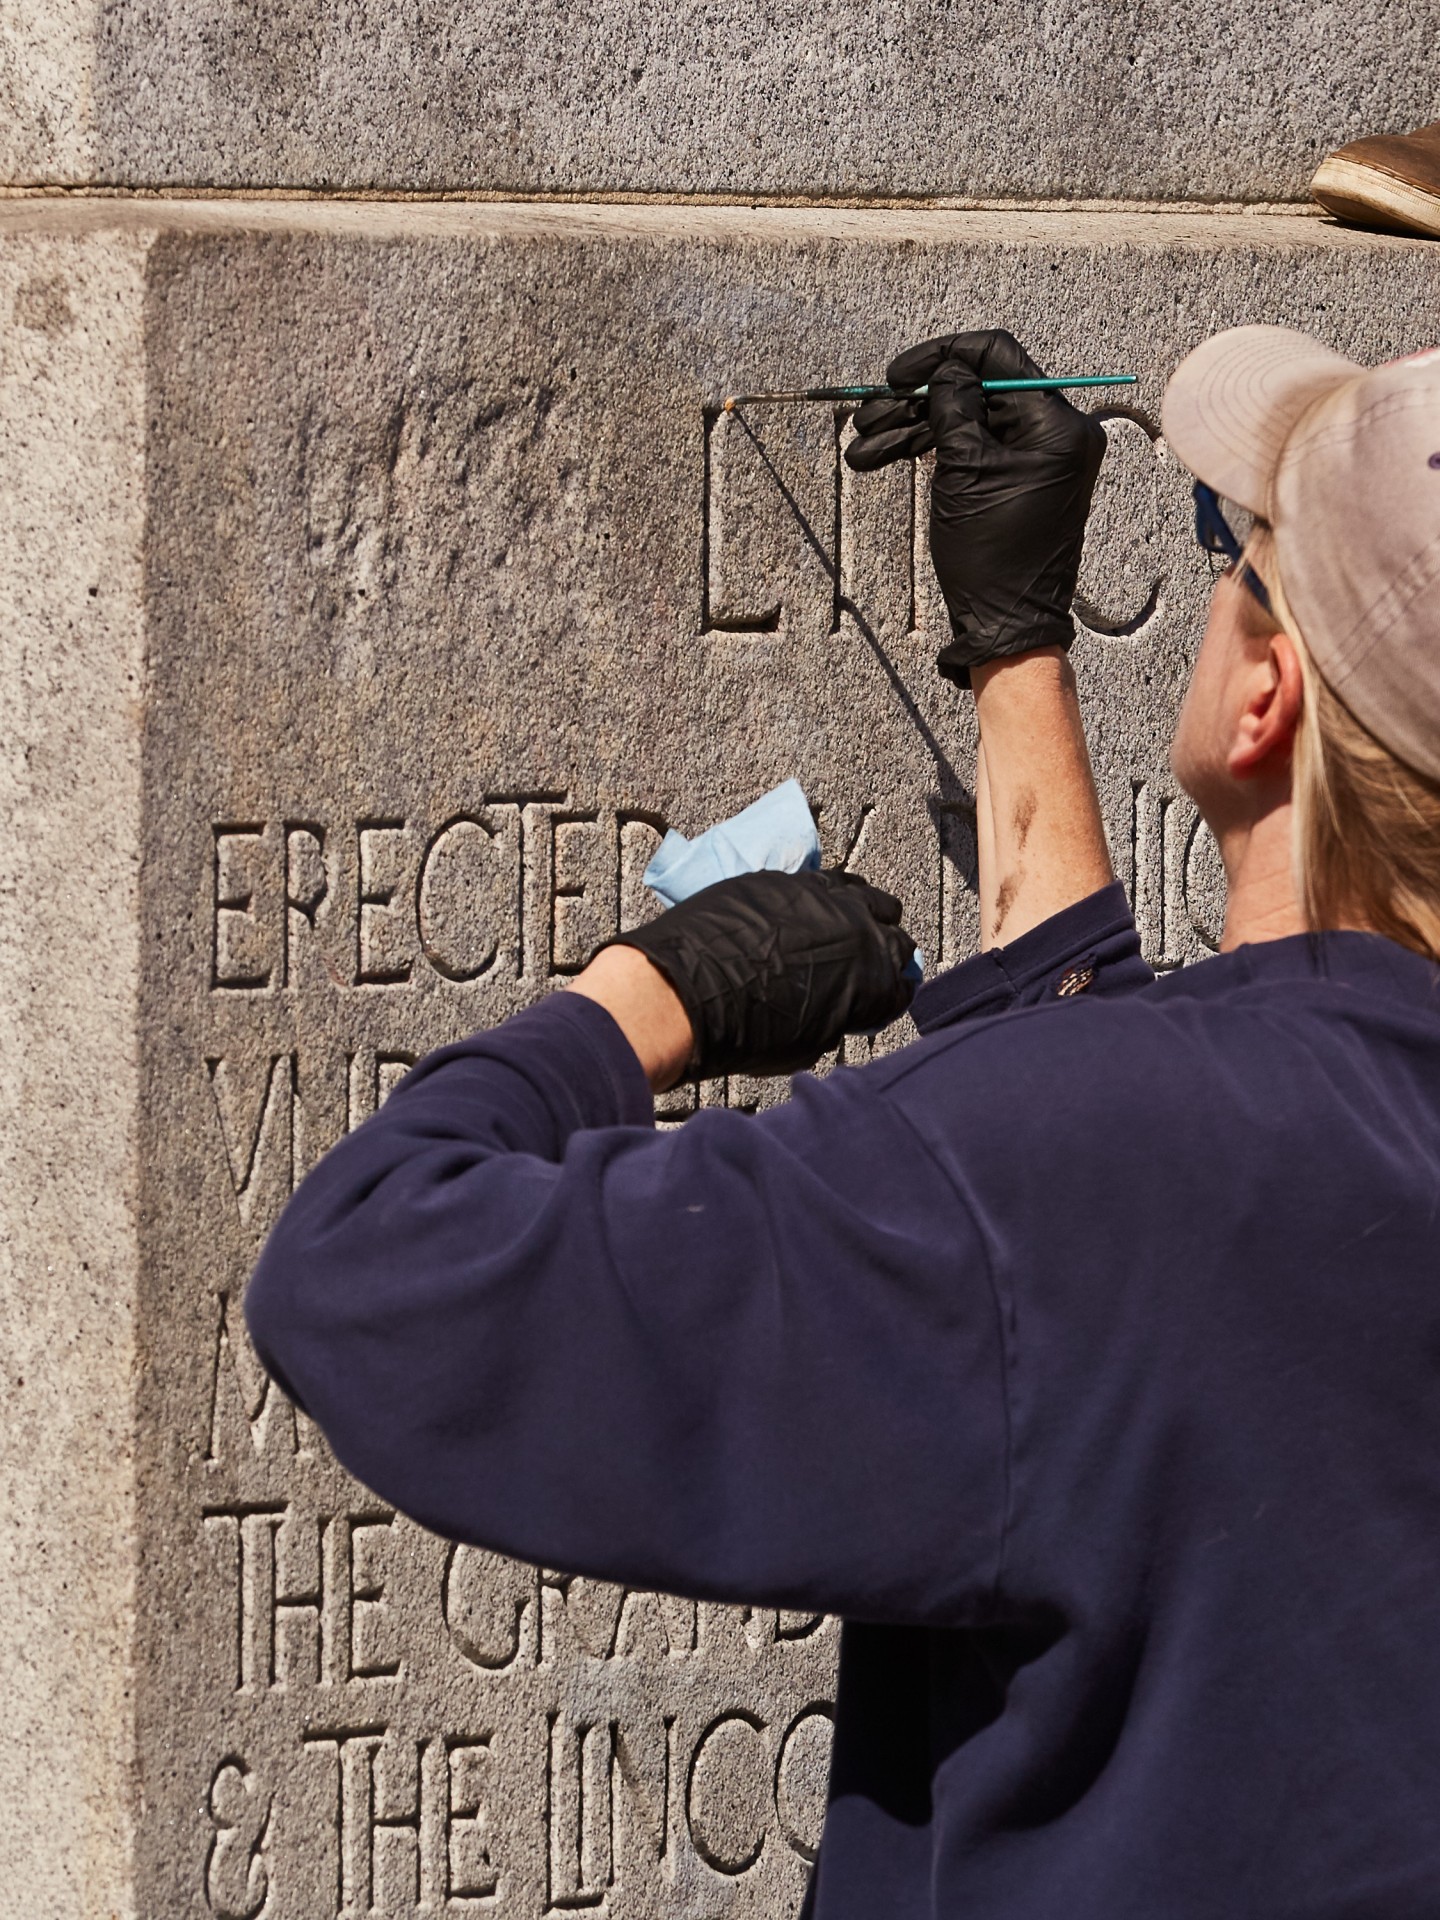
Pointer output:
x,y
1366,961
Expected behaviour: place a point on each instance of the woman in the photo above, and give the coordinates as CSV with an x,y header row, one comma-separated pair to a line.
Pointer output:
x,y
1083,1355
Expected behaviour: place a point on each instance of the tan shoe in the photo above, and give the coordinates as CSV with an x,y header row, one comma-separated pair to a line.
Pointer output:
x,y
1392,180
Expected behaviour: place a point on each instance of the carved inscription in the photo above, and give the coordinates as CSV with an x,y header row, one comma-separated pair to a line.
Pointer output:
x,y
237,1867
1177,885
257,1128
247,1419
308,1596
504,895
793,541
516,888
1136,513
490,901
416,1824
410,1830
500,1614
604,1787
238,956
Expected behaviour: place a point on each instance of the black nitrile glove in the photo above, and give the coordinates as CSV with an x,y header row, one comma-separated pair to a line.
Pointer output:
x,y
772,968
1014,473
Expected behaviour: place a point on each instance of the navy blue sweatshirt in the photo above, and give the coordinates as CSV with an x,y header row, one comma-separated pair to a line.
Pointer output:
x,y
1083,1356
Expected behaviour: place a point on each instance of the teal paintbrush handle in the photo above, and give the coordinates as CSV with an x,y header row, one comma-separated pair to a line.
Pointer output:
x,y
987,386
1042,385
1068,380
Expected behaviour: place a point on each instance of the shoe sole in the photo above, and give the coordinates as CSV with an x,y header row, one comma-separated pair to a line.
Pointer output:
x,y
1356,192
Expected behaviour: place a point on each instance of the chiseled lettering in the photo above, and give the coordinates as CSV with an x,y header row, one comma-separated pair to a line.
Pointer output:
x,y
384,953
583,888
454,936
370,1654
307,887
242,942
277,1633
1177,887
255,1114
411,1820
580,1763
488,1604
244,1400
237,1869
801,1776
310,1606
727,1794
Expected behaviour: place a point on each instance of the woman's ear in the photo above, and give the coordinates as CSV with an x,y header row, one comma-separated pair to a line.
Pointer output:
x,y
1270,717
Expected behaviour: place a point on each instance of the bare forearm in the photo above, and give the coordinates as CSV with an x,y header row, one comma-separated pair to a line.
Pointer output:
x,y
1041,841
645,1007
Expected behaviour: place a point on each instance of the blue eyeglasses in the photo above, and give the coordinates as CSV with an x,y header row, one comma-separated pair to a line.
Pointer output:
x,y
1217,536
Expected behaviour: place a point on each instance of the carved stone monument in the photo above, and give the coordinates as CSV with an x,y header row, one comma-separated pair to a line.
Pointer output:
x,y
379,581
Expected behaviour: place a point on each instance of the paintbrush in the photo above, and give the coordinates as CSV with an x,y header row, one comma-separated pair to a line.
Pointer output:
x,y
914,393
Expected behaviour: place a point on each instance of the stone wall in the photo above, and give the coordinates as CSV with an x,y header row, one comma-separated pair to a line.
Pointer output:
x,y
380,580
1133,99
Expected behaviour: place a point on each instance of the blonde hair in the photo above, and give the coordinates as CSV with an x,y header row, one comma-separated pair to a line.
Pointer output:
x,y
1367,825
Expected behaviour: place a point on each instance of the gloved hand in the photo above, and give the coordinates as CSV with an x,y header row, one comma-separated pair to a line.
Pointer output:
x,y
772,968
1014,474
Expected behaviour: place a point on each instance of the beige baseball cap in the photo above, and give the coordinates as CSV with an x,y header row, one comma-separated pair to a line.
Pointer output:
x,y
1343,461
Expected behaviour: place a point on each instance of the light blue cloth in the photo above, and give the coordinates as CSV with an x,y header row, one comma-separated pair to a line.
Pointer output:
x,y
776,834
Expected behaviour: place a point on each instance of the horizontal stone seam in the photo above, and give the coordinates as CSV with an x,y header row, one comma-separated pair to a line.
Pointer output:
x,y
380,196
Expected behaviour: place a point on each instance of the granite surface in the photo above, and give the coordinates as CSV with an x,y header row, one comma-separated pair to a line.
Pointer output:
x,y
1134,99
72,506
387,581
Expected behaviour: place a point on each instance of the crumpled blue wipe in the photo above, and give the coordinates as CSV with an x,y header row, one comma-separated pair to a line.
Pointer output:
x,y
776,834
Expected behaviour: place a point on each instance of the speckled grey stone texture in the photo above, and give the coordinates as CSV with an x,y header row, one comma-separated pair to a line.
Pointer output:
x,y
72,509
1148,99
455,592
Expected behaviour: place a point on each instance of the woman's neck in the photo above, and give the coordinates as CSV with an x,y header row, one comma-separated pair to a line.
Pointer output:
x,y
1261,900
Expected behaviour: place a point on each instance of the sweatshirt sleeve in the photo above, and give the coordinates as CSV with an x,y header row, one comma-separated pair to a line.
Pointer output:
x,y
1091,948
755,1359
